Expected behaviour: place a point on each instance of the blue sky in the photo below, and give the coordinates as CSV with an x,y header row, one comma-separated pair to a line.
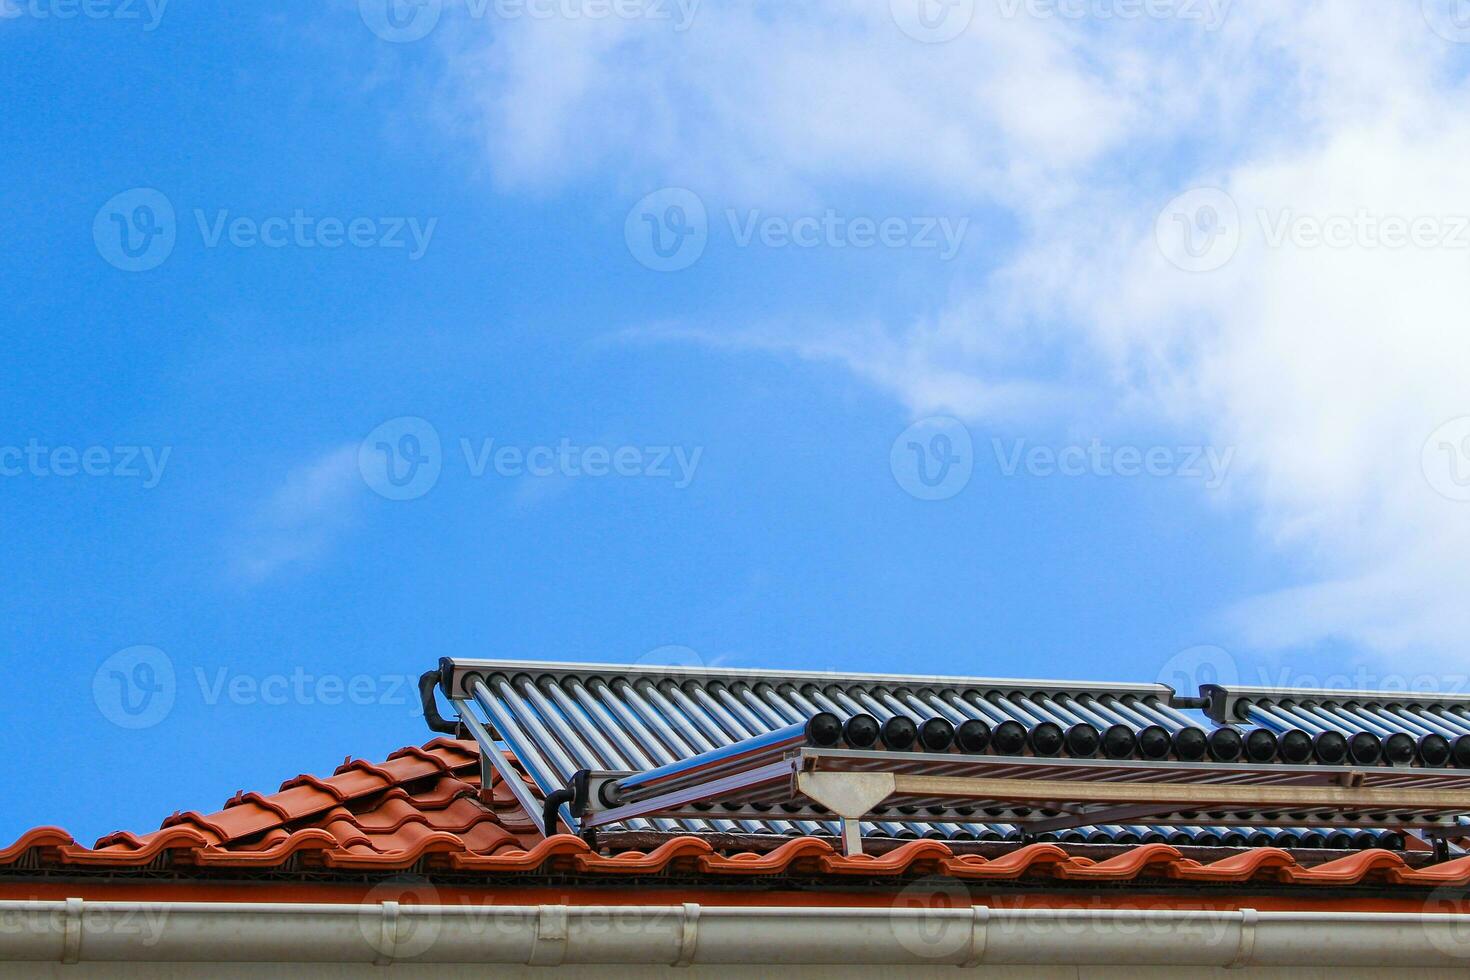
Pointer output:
x,y
958,234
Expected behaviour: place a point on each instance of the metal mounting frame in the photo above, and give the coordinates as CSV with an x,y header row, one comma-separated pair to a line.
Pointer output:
x,y
849,786
1221,699
458,672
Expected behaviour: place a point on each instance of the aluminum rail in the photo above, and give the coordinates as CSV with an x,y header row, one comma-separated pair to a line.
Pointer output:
x,y
1203,772
457,669
1222,700
73,931
1230,796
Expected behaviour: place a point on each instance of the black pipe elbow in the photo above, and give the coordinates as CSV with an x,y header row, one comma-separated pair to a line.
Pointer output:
x,y
437,723
554,800
1009,738
1460,752
1261,745
1433,750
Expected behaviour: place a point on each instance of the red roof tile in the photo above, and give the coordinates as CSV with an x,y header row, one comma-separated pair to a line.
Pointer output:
x,y
428,804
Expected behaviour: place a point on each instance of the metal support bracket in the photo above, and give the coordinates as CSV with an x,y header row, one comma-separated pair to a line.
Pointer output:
x,y
850,795
492,757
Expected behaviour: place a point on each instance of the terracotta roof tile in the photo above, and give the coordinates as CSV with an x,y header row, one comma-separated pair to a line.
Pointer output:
x,y
802,852
280,848
674,853
1031,859
1258,862
1456,873
915,857
34,840
516,859
429,804
1134,863
1349,870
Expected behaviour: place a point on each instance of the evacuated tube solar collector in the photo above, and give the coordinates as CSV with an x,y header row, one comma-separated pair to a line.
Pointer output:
x,y
612,717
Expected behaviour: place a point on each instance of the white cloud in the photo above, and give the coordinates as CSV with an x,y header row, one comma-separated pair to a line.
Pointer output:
x,y
779,99
301,518
1327,368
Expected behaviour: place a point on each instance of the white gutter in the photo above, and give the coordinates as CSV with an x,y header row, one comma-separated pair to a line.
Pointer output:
x,y
74,931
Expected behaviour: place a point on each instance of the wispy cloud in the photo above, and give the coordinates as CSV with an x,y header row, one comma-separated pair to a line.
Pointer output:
x,y
915,363
1326,365
301,519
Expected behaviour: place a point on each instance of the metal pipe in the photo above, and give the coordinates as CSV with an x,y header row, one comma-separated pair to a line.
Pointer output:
x,y
547,780
1169,719
428,682
687,730
628,731
715,732
520,744
822,730
1170,713
1128,714
611,757
748,718
1101,720
582,756
743,725
669,746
